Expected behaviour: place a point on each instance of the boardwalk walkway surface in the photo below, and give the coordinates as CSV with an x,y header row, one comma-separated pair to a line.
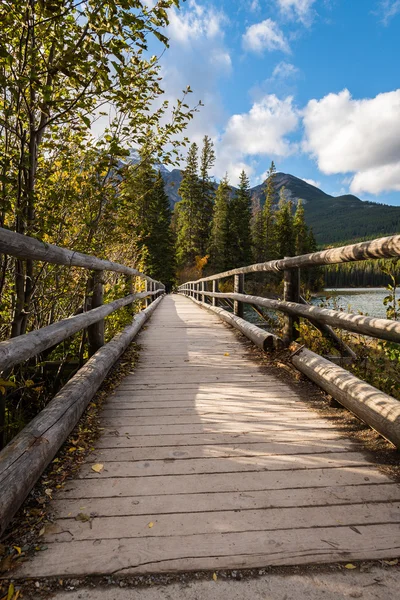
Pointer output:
x,y
211,463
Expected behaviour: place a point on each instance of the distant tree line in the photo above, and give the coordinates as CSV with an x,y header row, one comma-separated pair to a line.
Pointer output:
x,y
369,273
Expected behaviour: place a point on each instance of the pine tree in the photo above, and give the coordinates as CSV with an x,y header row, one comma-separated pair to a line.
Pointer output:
x,y
207,194
257,232
270,243
301,232
160,239
145,206
284,227
219,240
239,253
187,245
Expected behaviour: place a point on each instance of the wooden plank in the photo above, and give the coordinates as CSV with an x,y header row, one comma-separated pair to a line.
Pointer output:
x,y
215,551
216,482
234,464
228,501
109,453
124,440
266,520
240,417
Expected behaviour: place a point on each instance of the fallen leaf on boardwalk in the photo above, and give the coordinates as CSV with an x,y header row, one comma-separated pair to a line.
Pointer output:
x,y
82,517
226,354
215,577
41,532
10,591
150,525
391,562
18,549
97,468
350,566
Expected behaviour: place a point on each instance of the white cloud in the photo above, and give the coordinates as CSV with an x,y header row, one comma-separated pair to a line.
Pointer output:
x,y
302,10
389,9
194,23
284,70
377,180
313,182
262,131
265,36
356,136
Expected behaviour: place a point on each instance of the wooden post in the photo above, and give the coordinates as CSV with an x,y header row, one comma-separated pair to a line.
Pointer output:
x,y
204,289
129,290
291,293
238,288
96,331
149,288
215,289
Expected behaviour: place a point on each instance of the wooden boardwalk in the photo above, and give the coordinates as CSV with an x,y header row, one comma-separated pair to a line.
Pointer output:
x,y
211,463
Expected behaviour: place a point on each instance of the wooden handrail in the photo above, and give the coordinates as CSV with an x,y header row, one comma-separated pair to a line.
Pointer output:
x,y
384,329
388,247
16,350
28,248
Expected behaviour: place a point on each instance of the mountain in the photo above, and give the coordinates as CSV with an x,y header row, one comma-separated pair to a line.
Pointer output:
x,y
333,219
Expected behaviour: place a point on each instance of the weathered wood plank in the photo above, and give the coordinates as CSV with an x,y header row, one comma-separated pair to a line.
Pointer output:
x,y
233,464
216,482
216,551
229,501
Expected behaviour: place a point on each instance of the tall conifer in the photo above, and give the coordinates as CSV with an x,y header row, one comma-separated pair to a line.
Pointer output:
x,y
207,194
219,240
239,224
187,245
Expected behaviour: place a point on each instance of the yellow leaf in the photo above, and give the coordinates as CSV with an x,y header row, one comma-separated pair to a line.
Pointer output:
x,y
215,577
7,383
97,468
72,449
150,525
17,595
18,549
391,562
3,390
10,591
350,566
226,354
29,383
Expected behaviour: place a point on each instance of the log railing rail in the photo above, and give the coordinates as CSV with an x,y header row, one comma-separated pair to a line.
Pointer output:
x,y
380,411
25,458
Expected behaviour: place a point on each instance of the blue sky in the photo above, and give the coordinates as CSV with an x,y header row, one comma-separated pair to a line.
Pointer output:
x,y
312,84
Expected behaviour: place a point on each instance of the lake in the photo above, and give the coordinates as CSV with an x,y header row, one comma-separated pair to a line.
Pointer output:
x,y
366,300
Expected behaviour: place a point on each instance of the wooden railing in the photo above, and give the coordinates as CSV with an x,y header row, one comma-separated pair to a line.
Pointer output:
x,y
379,410
25,458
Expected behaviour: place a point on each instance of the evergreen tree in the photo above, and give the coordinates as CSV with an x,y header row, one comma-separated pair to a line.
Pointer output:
x,y
257,232
284,227
187,245
270,243
145,206
301,232
219,240
207,194
239,252
160,240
